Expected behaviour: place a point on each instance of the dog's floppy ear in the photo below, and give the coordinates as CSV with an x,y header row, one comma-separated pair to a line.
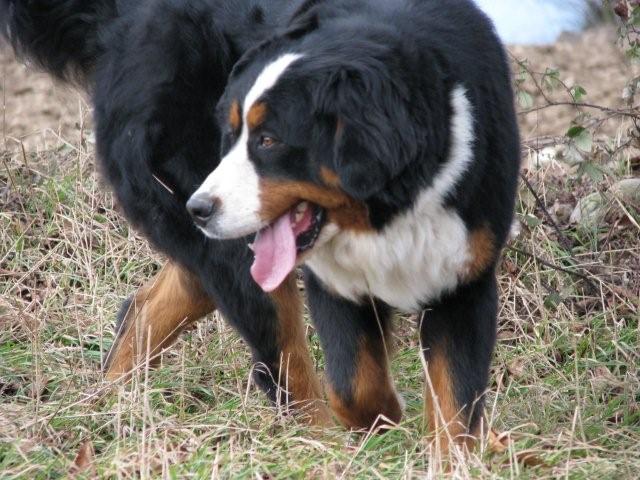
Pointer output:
x,y
304,20
375,137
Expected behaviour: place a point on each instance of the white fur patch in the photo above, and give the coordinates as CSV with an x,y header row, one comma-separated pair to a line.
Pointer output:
x,y
421,253
235,182
268,78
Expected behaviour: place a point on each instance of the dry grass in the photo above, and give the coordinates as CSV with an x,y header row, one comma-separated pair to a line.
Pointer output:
x,y
565,375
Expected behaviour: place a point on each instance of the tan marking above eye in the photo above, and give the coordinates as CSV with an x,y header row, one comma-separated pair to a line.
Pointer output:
x,y
235,116
329,177
256,115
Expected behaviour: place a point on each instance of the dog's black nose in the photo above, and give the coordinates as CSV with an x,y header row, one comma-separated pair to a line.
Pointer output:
x,y
201,208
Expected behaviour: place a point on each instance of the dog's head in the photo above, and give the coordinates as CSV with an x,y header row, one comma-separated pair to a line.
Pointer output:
x,y
313,130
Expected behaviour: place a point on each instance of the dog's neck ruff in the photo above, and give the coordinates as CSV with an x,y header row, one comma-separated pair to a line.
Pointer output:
x,y
422,253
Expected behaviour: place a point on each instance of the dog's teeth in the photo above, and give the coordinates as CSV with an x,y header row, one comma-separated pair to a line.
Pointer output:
x,y
250,245
300,210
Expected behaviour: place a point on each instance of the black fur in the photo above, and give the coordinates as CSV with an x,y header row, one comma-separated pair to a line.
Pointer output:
x,y
122,312
463,324
370,99
343,327
119,329
387,76
62,36
156,70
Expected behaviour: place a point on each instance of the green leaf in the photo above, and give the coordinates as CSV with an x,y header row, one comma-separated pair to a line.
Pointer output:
x,y
584,141
578,93
525,100
593,171
574,131
581,137
635,17
551,79
532,221
633,52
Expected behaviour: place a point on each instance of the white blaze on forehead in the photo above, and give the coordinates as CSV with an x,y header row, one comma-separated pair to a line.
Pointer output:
x,y
266,80
235,183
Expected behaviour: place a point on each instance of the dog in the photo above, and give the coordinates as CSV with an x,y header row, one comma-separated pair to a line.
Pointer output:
x,y
376,144
155,70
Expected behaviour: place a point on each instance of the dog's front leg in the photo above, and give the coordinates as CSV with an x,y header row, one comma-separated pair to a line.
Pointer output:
x,y
356,342
458,335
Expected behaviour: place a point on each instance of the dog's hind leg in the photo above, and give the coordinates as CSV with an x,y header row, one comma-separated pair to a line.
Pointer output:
x,y
355,339
458,335
152,319
271,325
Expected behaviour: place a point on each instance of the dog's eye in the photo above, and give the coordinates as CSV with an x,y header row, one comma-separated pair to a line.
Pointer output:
x,y
267,141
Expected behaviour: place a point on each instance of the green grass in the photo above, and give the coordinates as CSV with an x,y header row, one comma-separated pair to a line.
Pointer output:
x,y
564,382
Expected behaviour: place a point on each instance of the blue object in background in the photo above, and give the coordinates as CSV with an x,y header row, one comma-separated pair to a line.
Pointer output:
x,y
534,21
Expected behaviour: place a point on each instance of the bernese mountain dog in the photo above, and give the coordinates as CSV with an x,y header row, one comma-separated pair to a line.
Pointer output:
x,y
374,142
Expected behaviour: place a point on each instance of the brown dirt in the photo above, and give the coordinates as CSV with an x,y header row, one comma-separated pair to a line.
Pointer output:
x,y
37,111
593,60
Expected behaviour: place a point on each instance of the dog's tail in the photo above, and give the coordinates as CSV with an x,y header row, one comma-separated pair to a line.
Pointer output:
x,y
61,36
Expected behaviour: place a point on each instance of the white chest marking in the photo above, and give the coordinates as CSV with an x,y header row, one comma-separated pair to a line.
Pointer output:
x,y
421,253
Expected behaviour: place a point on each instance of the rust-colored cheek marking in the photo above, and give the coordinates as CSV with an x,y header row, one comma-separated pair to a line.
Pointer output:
x,y
235,116
277,197
256,115
482,248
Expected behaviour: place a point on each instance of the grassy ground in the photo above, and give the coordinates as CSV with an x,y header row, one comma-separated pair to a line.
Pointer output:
x,y
565,380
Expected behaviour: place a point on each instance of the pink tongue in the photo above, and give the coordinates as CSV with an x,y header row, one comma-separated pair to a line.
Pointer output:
x,y
275,251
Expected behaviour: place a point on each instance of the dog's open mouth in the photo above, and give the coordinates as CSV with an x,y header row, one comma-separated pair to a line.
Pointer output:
x,y
277,246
